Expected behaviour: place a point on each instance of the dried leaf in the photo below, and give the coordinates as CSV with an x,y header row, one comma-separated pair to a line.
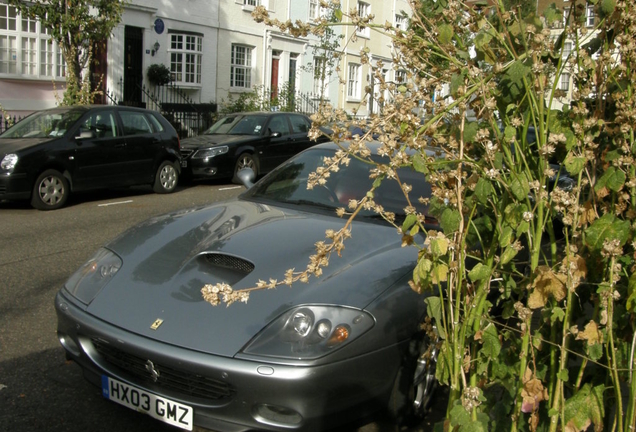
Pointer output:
x,y
591,334
546,284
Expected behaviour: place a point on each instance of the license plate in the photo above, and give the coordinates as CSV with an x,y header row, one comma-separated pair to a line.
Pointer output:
x,y
184,164
157,407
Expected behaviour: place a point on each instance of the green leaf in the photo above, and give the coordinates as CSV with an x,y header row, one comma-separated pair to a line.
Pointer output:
x,y
608,227
558,314
631,293
337,14
491,347
479,272
594,351
434,310
509,133
470,131
439,246
506,237
508,254
459,416
409,221
419,164
457,80
574,165
450,220
520,187
613,179
483,190
440,273
607,7
564,375
584,408
446,34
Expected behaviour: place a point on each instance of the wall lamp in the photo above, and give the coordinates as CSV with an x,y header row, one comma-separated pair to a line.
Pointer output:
x,y
155,48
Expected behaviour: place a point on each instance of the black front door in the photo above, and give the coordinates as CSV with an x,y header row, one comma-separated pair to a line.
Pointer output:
x,y
133,67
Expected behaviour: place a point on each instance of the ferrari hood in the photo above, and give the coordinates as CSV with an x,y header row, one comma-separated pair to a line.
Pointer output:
x,y
168,259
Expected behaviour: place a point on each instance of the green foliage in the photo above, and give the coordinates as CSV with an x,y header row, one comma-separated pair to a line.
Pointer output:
x,y
531,282
77,26
158,74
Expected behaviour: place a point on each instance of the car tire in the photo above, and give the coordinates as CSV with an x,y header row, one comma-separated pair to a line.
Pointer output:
x,y
245,160
50,191
415,382
166,178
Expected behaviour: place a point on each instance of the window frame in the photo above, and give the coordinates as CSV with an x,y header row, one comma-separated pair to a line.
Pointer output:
x,y
320,87
27,50
590,16
364,9
354,74
186,57
564,81
247,67
401,22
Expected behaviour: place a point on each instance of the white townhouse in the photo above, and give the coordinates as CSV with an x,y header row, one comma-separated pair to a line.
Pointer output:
x,y
180,35
213,49
252,55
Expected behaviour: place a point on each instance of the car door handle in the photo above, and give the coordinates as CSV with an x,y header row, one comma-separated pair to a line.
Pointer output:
x,y
120,145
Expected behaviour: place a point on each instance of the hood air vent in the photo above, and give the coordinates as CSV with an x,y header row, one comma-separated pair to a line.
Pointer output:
x,y
229,262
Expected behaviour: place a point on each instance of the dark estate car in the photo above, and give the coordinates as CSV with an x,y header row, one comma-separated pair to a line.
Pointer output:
x,y
315,356
53,152
258,140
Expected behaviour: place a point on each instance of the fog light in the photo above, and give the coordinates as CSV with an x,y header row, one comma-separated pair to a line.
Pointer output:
x,y
277,415
69,344
210,171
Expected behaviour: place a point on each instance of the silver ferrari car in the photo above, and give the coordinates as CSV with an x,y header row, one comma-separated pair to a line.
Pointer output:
x,y
346,345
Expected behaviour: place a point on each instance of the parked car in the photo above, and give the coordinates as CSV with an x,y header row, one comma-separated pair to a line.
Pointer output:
x,y
54,152
258,140
347,344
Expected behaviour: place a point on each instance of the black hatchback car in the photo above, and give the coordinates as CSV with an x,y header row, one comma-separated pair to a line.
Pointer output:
x,y
53,152
257,140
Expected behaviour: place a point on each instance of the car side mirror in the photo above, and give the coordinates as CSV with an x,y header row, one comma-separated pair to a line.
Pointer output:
x,y
247,177
85,135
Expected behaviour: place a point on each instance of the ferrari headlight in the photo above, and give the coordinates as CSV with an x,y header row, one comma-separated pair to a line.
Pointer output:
x,y
86,283
211,152
9,161
310,332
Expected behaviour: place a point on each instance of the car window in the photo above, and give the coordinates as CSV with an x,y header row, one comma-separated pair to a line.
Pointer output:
x,y
135,123
278,124
101,123
299,124
156,124
50,123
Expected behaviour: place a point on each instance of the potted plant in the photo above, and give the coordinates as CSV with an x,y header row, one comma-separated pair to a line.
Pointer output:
x,y
158,74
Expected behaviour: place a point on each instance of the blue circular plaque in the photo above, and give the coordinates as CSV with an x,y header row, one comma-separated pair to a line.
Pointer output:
x,y
159,26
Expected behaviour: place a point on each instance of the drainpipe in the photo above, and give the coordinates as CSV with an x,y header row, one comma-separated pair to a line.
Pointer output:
x,y
264,73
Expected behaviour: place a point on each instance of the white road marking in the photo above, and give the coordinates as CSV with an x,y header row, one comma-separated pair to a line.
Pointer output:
x,y
230,188
114,203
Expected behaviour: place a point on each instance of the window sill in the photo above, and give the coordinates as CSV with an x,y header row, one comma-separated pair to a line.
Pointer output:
x,y
363,35
186,86
351,99
240,89
18,77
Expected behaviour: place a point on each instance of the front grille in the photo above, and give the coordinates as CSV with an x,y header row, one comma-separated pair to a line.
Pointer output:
x,y
180,381
229,262
186,152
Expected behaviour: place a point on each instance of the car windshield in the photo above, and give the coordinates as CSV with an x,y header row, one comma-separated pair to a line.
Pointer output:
x,y
287,185
238,125
53,123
